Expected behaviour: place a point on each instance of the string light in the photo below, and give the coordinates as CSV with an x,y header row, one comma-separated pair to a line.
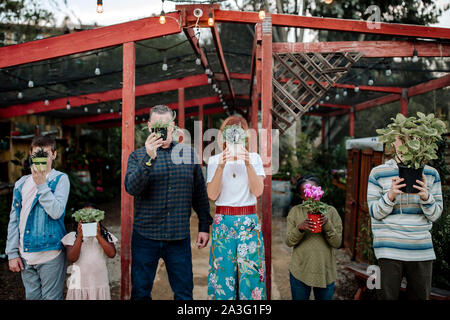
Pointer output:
x,y
99,110
370,82
207,70
99,6
328,1
198,61
30,84
111,110
97,71
327,98
210,19
415,56
86,109
262,13
344,93
209,79
356,88
164,66
20,95
337,96
388,71
46,102
162,17
68,105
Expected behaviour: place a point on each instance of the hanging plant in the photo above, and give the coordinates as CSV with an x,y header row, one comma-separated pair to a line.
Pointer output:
x,y
418,136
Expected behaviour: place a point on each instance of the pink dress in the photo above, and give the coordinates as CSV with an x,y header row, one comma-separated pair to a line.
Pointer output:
x,y
88,275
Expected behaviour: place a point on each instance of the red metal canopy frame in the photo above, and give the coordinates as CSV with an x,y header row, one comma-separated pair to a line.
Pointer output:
x,y
260,88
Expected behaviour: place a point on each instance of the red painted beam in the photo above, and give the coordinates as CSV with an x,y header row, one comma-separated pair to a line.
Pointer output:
x,y
266,154
140,112
181,108
371,49
82,100
127,205
428,86
88,40
347,25
223,63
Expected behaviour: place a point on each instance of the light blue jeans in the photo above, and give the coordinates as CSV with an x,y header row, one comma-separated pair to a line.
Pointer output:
x,y
45,281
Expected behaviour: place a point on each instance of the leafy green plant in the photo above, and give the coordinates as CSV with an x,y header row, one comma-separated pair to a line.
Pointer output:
x,y
87,215
418,136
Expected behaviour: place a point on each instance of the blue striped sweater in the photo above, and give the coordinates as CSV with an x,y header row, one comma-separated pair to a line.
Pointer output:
x,y
401,229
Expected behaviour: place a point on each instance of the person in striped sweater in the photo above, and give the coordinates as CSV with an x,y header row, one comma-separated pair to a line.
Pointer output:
x,y
401,225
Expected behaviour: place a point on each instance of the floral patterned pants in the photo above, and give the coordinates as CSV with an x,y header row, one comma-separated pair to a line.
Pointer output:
x,y
237,266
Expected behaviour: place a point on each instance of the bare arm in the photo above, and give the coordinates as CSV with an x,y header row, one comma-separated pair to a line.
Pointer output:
x,y
73,252
108,247
214,187
256,183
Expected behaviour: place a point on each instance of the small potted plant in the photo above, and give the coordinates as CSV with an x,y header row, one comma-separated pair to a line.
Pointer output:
x,y
413,142
39,159
160,128
234,137
313,204
89,218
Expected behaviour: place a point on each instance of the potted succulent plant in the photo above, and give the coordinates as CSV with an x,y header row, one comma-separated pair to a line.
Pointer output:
x,y
234,137
39,159
416,139
89,218
315,207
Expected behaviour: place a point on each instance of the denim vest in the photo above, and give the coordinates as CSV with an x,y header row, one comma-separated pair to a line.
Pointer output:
x,y
42,233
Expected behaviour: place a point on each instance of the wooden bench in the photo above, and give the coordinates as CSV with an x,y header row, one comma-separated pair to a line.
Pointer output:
x,y
360,271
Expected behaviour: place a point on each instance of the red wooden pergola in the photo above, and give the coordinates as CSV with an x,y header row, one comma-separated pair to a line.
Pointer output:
x,y
260,77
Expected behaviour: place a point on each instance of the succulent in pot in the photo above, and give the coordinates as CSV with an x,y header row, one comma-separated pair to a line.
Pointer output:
x,y
235,137
160,128
413,142
89,218
39,159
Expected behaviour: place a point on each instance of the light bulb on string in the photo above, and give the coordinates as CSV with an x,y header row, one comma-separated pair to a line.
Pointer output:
x,y
356,88
68,105
337,96
388,71
328,1
86,109
99,110
370,82
344,93
214,86
209,79
210,19
164,66
99,6
162,17
111,110
97,71
20,95
30,84
327,98
415,56
46,102
198,61
262,12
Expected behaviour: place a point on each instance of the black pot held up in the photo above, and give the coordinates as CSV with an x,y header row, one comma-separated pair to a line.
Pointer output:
x,y
410,175
161,131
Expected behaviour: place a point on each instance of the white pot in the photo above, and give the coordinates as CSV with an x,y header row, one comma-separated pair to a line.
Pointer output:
x,y
89,229
235,148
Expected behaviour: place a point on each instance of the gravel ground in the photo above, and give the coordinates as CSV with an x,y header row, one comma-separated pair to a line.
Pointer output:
x,y
11,285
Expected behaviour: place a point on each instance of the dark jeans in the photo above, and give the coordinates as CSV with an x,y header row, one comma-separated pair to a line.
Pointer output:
x,y
418,277
145,257
301,291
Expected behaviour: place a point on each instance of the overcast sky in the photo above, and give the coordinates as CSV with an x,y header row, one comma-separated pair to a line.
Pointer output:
x,y
117,11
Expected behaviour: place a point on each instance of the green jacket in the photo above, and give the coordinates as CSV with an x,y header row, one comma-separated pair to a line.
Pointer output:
x,y
313,260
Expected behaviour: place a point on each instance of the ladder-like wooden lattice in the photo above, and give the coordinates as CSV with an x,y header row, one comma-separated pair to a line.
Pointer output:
x,y
301,79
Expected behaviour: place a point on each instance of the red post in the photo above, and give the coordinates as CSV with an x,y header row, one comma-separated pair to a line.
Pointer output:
x,y
181,110
352,123
200,134
266,101
127,205
254,119
404,102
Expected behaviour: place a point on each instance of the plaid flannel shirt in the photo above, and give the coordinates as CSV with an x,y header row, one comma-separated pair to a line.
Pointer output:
x,y
165,192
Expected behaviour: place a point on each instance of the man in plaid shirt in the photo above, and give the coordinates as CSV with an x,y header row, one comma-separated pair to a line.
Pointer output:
x,y
166,183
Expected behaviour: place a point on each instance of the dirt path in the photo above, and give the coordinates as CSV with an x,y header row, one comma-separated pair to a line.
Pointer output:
x,y
11,285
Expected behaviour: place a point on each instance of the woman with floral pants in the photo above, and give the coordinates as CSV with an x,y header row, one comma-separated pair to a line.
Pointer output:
x,y
235,180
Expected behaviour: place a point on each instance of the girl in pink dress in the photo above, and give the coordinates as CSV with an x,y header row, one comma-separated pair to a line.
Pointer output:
x,y
89,275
